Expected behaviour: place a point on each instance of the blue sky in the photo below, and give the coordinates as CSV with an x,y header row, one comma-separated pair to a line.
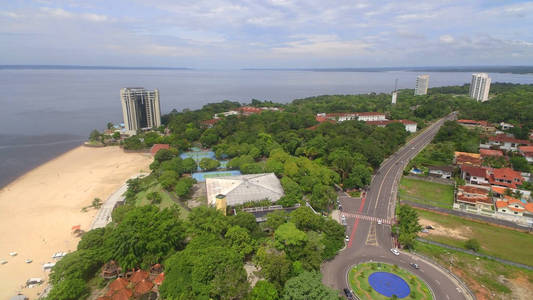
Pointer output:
x,y
274,33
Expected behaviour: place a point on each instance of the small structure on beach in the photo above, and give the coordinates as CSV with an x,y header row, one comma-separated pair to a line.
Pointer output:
x,y
244,188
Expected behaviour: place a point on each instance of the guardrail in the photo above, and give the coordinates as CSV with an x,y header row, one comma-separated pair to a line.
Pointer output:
x,y
464,286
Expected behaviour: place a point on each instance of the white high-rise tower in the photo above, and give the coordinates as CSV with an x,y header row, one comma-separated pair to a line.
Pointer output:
x,y
480,86
140,109
422,83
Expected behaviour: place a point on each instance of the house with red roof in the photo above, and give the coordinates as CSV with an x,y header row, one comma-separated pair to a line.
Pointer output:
x,y
473,198
475,175
512,207
483,125
508,143
209,123
505,177
527,152
156,147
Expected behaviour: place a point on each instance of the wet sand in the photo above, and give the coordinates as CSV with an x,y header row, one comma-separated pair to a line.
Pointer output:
x,y
38,210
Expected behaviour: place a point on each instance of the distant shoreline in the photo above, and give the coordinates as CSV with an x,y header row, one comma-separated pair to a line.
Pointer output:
x,y
524,70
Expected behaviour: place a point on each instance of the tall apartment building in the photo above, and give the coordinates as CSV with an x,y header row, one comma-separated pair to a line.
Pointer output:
x,y
422,83
480,86
140,108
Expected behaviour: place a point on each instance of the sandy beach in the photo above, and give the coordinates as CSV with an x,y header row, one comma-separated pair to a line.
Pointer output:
x,y
38,210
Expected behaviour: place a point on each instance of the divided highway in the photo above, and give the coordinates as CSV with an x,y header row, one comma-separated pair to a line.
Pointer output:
x,y
368,226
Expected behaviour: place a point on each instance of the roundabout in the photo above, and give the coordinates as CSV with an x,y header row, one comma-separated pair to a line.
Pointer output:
x,y
376,280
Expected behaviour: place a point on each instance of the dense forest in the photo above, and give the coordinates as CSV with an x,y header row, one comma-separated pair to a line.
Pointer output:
x,y
204,253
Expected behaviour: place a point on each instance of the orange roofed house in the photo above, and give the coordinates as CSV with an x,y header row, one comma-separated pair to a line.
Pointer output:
x,y
507,143
505,177
473,198
527,152
511,207
483,125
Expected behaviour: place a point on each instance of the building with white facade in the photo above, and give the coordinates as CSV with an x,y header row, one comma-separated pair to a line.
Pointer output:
x,y
140,108
422,84
480,86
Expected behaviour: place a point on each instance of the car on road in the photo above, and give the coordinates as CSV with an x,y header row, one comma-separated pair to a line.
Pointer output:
x,y
347,238
379,222
395,251
348,293
343,217
416,266
340,207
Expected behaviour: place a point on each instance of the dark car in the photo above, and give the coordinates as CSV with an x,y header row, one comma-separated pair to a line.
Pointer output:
x,y
348,294
416,266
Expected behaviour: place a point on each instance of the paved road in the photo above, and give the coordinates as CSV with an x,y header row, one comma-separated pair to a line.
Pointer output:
x,y
372,241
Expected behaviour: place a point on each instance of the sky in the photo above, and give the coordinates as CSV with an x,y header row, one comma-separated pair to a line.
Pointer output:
x,y
232,34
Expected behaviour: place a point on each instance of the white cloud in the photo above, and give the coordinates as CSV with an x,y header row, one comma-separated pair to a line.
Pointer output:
x,y
447,39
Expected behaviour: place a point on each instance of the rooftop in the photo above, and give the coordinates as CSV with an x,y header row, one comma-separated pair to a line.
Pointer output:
x,y
489,152
244,188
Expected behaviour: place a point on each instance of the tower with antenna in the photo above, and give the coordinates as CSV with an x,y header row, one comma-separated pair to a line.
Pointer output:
x,y
395,92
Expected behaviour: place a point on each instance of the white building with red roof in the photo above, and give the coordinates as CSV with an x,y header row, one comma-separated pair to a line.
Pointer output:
x,y
505,142
527,152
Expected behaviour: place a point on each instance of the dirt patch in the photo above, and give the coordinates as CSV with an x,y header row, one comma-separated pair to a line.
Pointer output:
x,y
458,233
521,287
481,292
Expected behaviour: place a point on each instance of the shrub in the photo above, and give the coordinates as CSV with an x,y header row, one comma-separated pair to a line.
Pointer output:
x,y
472,244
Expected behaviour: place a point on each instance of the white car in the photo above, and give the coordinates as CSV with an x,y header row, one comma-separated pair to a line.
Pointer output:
x,y
379,222
347,238
395,251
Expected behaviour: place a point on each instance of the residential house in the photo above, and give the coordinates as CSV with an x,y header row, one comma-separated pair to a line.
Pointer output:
x,y
475,175
465,158
527,152
512,207
505,142
441,172
370,118
209,123
483,125
505,177
473,198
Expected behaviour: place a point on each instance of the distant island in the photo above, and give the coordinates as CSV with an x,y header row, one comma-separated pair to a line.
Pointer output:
x,y
486,69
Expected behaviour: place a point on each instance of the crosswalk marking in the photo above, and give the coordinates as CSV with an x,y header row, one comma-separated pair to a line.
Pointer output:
x,y
367,218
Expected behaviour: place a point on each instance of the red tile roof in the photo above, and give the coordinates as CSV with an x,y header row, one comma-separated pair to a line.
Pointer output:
x,y
406,122
210,122
465,158
506,174
527,150
143,287
488,152
249,109
474,200
474,171
139,276
378,123
473,190
159,279
473,122
156,147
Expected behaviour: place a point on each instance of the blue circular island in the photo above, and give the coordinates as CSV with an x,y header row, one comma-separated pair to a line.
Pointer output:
x,y
389,284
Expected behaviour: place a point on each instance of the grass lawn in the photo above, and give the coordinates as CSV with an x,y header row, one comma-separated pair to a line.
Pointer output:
x,y
166,201
358,279
425,192
486,278
497,241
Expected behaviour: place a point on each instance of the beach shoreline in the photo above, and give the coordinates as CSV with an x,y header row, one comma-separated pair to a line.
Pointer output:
x,y
39,208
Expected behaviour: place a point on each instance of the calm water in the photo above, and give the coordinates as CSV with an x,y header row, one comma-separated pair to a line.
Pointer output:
x,y
46,112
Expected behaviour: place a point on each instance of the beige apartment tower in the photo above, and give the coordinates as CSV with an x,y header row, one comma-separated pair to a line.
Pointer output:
x,y
480,86
422,84
140,108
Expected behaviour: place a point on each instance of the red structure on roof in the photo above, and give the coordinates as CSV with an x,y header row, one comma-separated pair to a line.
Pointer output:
x,y
473,122
506,177
502,138
157,147
139,276
159,279
143,287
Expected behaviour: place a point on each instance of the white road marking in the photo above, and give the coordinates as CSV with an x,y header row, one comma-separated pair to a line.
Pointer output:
x,y
437,281
447,297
